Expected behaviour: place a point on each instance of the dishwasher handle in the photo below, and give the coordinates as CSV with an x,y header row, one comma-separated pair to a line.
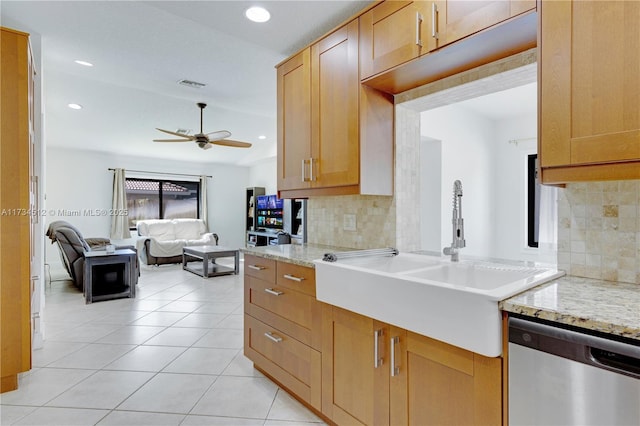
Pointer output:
x,y
612,355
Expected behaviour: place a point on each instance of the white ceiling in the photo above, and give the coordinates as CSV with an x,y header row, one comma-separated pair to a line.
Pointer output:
x,y
505,104
140,49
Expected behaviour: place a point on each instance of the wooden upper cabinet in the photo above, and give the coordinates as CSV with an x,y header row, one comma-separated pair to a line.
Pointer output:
x,y
466,17
395,32
294,121
404,45
335,136
334,109
589,94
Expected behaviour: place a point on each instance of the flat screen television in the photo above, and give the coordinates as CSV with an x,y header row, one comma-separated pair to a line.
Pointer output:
x,y
270,212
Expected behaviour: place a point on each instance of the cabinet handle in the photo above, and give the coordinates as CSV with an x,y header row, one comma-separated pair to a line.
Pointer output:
x,y
274,292
434,21
293,278
377,359
394,369
304,170
269,335
311,169
256,267
418,29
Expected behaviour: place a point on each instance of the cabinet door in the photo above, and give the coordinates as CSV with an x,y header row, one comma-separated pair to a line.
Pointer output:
x,y
355,389
335,89
294,122
395,32
15,183
589,73
465,17
445,385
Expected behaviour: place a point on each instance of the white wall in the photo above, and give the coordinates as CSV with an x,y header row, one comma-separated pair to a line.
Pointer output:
x,y
78,180
265,175
509,183
478,151
466,156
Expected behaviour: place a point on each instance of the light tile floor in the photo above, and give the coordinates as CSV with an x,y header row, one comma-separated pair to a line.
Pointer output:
x,y
171,356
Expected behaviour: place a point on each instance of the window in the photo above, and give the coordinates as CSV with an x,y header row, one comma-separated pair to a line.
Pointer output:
x,y
533,201
161,199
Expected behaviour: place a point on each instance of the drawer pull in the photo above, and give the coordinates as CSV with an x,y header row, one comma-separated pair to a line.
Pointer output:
x,y
293,278
273,292
269,335
256,267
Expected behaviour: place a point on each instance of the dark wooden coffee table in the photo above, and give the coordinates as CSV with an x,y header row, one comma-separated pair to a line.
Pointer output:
x,y
208,255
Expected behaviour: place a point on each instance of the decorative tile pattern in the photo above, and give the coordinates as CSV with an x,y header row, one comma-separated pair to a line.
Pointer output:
x,y
599,230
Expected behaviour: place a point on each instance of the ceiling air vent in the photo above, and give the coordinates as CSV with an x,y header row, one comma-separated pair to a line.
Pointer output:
x,y
191,83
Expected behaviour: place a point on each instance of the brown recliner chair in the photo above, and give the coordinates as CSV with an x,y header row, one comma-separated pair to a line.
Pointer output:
x,y
72,246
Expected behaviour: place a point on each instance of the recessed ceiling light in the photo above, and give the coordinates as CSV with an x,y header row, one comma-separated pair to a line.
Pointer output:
x,y
85,63
262,137
257,14
75,106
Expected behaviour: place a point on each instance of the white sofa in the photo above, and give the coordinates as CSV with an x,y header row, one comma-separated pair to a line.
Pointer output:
x,y
161,240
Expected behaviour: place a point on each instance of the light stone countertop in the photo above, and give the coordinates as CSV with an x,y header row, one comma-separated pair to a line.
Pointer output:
x,y
603,306
298,254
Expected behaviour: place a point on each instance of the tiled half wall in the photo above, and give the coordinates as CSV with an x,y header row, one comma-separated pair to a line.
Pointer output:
x,y
599,230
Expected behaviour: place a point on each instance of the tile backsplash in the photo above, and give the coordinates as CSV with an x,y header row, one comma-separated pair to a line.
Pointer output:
x,y
375,221
599,230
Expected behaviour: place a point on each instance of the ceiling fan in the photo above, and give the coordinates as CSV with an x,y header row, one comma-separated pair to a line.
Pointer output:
x,y
205,140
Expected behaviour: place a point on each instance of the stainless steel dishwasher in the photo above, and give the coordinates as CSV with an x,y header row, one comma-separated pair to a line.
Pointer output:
x,y
559,376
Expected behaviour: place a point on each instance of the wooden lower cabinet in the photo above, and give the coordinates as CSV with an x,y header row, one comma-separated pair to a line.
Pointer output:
x,y
282,328
355,370
416,380
354,391
294,365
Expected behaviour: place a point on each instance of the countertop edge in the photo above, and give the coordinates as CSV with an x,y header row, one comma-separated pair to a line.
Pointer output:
x,y
596,305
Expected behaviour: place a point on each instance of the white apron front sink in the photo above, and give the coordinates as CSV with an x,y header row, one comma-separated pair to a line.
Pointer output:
x,y
455,302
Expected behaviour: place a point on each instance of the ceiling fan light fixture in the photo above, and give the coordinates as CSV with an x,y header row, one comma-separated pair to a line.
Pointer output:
x,y
257,14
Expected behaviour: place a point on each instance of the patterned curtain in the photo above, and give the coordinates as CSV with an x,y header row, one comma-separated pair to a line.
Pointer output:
x,y
119,222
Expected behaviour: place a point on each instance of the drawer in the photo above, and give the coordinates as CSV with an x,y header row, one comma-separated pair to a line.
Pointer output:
x,y
296,277
293,312
260,267
295,365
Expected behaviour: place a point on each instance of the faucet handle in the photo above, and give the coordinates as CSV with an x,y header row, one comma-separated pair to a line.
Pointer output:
x,y
451,251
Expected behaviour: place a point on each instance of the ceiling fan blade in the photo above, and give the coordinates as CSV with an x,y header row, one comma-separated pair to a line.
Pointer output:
x,y
172,140
229,142
182,135
220,134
